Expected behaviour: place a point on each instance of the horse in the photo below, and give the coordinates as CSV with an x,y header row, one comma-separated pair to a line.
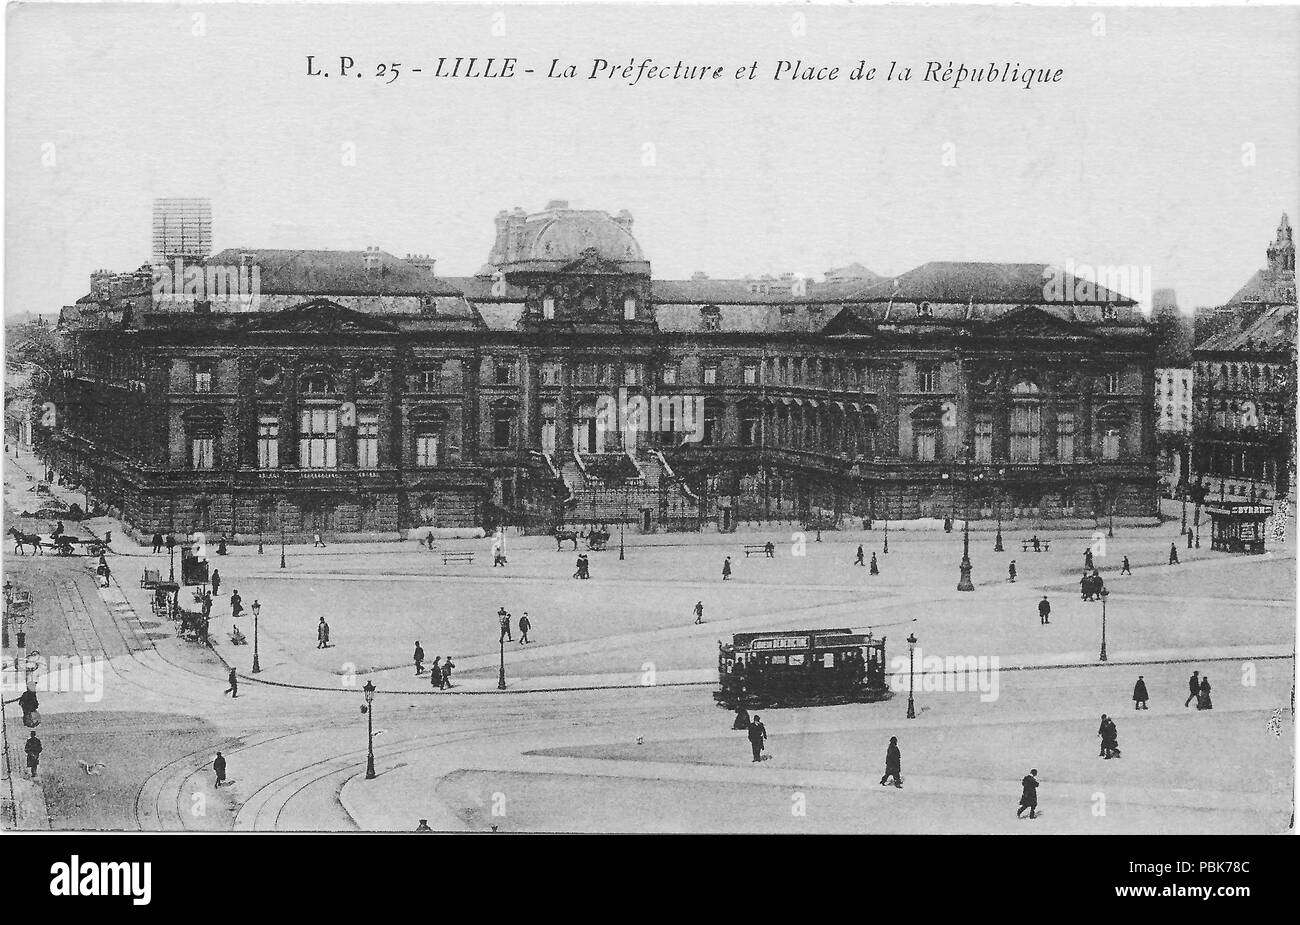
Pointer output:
x,y
26,539
597,539
563,536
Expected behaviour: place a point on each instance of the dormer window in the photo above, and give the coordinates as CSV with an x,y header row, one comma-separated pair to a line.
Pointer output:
x,y
924,310
710,318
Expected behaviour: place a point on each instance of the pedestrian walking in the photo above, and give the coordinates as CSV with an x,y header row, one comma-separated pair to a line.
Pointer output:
x,y
861,559
322,634
1044,611
1203,702
1124,568
157,542
1085,586
524,626
699,612
1029,794
1011,570
419,658
503,618
1194,686
1087,559
1189,538
171,542
447,666
1108,737
726,569
435,672
236,603
30,705
1173,553
317,542
757,735
741,721
216,582
219,767
233,689
33,747
1140,694
893,763
875,568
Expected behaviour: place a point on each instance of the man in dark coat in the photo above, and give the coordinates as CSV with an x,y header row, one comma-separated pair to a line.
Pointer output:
x,y
860,560
1044,611
216,582
770,550
1173,554
524,626
33,748
1194,687
1029,794
28,703
233,689
219,766
1085,586
1124,568
157,542
1087,558
757,733
1011,570
447,666
419,658
699,612
893,763
503,618
1140,694
726,568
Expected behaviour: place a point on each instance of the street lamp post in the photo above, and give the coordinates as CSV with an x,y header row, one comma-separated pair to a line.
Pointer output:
x,y
964,583
621,525
369,710
1104,594
257,612
886,552
911,683
501,676
997,502
281,542
1183,530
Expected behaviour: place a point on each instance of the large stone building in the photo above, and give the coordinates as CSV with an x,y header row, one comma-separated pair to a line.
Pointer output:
x,y
357,393
1174,331
1245,384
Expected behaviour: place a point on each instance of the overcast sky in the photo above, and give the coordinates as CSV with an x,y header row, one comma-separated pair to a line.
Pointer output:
x,y
1170,142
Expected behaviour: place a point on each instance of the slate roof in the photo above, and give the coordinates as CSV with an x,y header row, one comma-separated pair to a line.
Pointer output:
x,y
327,272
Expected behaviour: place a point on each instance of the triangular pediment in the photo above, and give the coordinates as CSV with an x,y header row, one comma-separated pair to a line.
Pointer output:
x,y
320,316
847,322
1032,321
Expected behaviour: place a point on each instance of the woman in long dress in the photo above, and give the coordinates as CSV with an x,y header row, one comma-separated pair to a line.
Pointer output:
x,y
1203,701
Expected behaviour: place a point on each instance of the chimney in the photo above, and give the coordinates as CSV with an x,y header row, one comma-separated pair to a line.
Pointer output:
x,y
372,260
423,261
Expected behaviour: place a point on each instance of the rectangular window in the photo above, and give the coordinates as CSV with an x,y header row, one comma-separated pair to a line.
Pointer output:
x,y
428,379
203,452
751,374
1025,421
268,442
926,444
710,426
711,374
629,308
427,444
502,429
1110,444
927,378
505,372
669,374
633,373
586,373
1112,383
548,308
983,438
203,378
550,374
605,373
1065,436
367,441
318,438
750,430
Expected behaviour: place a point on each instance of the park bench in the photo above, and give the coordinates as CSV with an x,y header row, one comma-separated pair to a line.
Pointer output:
x,y
1028,546
150,578
755,549
457,556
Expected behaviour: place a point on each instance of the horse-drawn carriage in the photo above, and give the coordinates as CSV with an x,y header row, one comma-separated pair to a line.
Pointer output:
x,y
64,544
597,539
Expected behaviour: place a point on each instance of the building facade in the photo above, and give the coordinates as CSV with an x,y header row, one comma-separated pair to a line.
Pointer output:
x,y
1245,385
356,393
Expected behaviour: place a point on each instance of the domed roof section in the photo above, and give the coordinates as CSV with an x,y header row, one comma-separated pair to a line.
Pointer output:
x,y
564,234
559,235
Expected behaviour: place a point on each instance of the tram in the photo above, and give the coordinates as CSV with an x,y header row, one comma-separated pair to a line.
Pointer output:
x,y
801,667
